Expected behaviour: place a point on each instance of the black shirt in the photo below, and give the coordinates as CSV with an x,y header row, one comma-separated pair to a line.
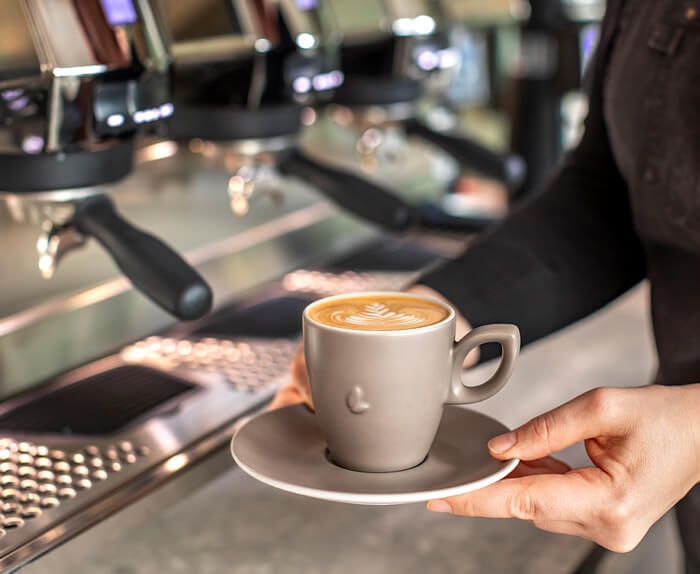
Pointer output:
x,y
625,205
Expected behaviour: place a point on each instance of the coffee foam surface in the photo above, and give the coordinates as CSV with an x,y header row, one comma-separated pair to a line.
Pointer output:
x,y
379,313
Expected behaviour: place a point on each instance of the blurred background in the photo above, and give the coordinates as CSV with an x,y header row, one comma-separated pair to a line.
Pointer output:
x,y
179,178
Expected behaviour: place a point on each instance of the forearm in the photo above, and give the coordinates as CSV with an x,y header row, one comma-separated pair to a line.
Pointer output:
x,y
568,253
692,404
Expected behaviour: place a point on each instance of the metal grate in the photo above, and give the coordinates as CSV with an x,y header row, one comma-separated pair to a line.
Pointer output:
x,y
97,405
35,478
249,365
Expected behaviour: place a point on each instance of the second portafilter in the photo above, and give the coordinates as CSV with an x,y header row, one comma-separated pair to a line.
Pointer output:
x,y
388,53
387,48
238,85
242,72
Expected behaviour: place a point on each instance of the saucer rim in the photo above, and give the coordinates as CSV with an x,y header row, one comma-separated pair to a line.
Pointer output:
x,y
368,499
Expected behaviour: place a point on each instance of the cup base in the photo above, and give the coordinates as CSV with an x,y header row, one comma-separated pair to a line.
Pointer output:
x,y
329,458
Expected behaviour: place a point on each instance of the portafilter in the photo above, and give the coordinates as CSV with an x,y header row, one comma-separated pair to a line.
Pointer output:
x,y
243,70
78,80
243,86
389,51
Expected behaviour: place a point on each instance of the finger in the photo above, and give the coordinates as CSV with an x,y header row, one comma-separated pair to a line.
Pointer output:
x,y
547,465
554,465
299,374
561,527
594,414
546,497
287,395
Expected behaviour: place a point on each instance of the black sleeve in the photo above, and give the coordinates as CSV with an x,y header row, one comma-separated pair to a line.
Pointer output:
x,y
568,252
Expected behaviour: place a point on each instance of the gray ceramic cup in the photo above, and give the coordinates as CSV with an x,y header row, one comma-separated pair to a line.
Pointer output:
x,y
379,395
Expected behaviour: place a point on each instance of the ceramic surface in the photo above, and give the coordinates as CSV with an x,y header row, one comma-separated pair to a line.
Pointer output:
x,y
379,395
286,449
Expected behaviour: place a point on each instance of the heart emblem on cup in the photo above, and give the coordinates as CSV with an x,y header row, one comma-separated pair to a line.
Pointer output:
x,y
356,401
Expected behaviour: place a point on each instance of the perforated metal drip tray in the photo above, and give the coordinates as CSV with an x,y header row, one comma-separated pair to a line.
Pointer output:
x,y
276,317
248,365
386,264
38,481
78,449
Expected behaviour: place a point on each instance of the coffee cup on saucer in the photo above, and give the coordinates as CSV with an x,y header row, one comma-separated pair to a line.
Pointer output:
x,y
382,366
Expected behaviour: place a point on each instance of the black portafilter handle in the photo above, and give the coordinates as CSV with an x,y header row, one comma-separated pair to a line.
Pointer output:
x,y
353,193
371,201
153,267
508,168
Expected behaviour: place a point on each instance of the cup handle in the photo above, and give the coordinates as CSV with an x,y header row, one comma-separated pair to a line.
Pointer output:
x,y
508,336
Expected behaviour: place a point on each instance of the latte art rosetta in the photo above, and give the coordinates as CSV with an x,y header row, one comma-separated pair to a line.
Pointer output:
x,y
379,313
375,312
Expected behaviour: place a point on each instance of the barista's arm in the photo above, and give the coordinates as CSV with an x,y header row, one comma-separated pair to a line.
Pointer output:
x,y
565,254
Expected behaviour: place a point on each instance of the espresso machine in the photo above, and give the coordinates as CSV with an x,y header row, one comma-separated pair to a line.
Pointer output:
x,y
79,81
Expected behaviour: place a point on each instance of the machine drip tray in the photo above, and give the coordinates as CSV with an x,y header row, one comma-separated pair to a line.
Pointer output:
x,y
97,405
280,317
274,318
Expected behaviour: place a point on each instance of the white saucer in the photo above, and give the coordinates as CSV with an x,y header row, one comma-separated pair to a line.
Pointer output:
x,y
285,449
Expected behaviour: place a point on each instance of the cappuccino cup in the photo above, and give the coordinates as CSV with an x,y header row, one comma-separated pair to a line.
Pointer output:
x,y
381,367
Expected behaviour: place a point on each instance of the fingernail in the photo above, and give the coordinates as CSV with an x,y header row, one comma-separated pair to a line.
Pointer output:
x,y
502,442
439,506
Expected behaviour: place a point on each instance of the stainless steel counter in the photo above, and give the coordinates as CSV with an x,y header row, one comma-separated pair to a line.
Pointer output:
x,y
234,524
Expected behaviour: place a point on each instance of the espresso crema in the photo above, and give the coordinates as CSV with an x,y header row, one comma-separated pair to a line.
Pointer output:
x,y
378,312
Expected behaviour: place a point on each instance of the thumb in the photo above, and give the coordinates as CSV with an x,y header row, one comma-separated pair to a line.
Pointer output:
x,y
593,414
